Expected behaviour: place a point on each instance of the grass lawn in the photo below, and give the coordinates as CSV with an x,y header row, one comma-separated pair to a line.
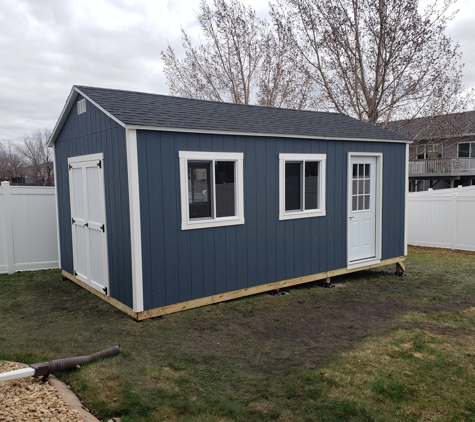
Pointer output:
x,y
375,348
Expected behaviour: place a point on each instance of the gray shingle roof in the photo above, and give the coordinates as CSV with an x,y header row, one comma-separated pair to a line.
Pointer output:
x,y
142,109
442,126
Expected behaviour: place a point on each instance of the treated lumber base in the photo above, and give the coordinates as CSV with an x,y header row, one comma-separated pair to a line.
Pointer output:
x,y
196,303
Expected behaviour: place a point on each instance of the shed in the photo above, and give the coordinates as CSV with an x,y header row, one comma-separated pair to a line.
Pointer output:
x,y
168,203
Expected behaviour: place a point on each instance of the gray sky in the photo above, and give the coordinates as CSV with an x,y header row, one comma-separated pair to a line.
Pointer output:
x,y
47,46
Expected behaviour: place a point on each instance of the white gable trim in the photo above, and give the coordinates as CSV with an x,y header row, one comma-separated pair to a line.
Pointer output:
x,y
67,108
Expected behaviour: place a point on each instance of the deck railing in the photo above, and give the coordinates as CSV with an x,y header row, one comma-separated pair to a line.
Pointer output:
x,y
446,166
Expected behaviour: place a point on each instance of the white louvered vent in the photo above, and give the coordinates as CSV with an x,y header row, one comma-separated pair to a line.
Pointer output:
x,y
81,106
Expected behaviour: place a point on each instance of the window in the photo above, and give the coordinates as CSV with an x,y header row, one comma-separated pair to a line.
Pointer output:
x,y
301,185
429,151
211,189
361,187
81,106
466,150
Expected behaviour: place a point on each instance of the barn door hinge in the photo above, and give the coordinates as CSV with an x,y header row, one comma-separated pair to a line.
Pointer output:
x,y
102,228
86,225
105,290
99,164
73,220
75,273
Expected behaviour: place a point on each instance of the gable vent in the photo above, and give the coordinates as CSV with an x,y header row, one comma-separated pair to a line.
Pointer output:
x,y
81,106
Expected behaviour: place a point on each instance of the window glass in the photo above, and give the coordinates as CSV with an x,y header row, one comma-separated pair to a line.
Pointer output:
x,y
225,188
292,186
199,192
464,150
361,187
311,185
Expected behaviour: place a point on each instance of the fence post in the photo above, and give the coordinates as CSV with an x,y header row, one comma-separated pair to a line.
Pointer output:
x,y
453,213
7,215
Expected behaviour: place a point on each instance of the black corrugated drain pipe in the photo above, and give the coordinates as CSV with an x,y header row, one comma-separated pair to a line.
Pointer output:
x,y
43,369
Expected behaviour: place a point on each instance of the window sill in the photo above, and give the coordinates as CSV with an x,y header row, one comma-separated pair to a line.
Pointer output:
x,y
204,224
302,214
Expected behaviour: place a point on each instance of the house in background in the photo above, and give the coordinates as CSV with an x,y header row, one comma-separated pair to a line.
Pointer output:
x,y
443,152
167,203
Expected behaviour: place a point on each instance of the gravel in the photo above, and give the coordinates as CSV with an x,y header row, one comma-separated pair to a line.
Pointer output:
x,y
30,399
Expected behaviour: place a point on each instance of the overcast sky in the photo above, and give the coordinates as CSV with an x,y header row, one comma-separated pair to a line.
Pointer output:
x,y
47,46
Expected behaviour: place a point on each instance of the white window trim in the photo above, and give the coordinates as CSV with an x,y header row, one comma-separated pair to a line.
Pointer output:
x,y
184,157
288,215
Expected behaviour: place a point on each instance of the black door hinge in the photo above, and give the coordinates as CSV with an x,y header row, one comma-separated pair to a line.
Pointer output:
x,y
105,290
73,221
70,167
99,164
86,225
102,228
75,273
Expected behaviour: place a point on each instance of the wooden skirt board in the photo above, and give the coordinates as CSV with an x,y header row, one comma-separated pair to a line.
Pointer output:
x,y
208,300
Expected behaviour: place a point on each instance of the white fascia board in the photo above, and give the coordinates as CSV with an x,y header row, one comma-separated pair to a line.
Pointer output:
x,y
276,135
67,109
135,224
62,118
100,108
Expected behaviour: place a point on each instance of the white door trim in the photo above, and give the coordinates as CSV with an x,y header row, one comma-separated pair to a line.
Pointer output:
x,y
378,210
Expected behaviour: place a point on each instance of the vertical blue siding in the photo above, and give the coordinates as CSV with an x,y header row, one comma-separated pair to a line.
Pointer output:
x,y
90,133
180,265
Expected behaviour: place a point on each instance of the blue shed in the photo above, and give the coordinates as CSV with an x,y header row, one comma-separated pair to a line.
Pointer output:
x,y
167,203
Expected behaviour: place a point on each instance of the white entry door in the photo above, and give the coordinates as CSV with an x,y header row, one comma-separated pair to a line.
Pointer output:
x,y
362,209
86,186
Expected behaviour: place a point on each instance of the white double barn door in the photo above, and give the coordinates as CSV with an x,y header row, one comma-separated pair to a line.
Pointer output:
x,y
86,184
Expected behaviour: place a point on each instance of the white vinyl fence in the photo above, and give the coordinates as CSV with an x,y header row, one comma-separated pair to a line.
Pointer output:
x,y
28,231
443,218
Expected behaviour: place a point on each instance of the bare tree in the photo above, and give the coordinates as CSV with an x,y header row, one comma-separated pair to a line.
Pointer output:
x,y
376,60
33,148
11,164
243,60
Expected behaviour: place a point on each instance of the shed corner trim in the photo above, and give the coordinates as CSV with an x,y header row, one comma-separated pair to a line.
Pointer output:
x,y
135,224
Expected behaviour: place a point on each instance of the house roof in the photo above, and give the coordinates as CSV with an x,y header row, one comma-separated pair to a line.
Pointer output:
x,y
155,111
436,127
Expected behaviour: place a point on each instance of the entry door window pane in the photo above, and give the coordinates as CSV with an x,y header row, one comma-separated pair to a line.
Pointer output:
x,y
311,185
199,192
361,187
292,186
225,188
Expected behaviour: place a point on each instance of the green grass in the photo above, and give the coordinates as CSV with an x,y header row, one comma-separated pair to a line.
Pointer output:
x,y
376,348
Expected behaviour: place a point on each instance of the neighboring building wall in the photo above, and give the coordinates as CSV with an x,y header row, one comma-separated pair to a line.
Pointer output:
x,y
180,265
89,133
